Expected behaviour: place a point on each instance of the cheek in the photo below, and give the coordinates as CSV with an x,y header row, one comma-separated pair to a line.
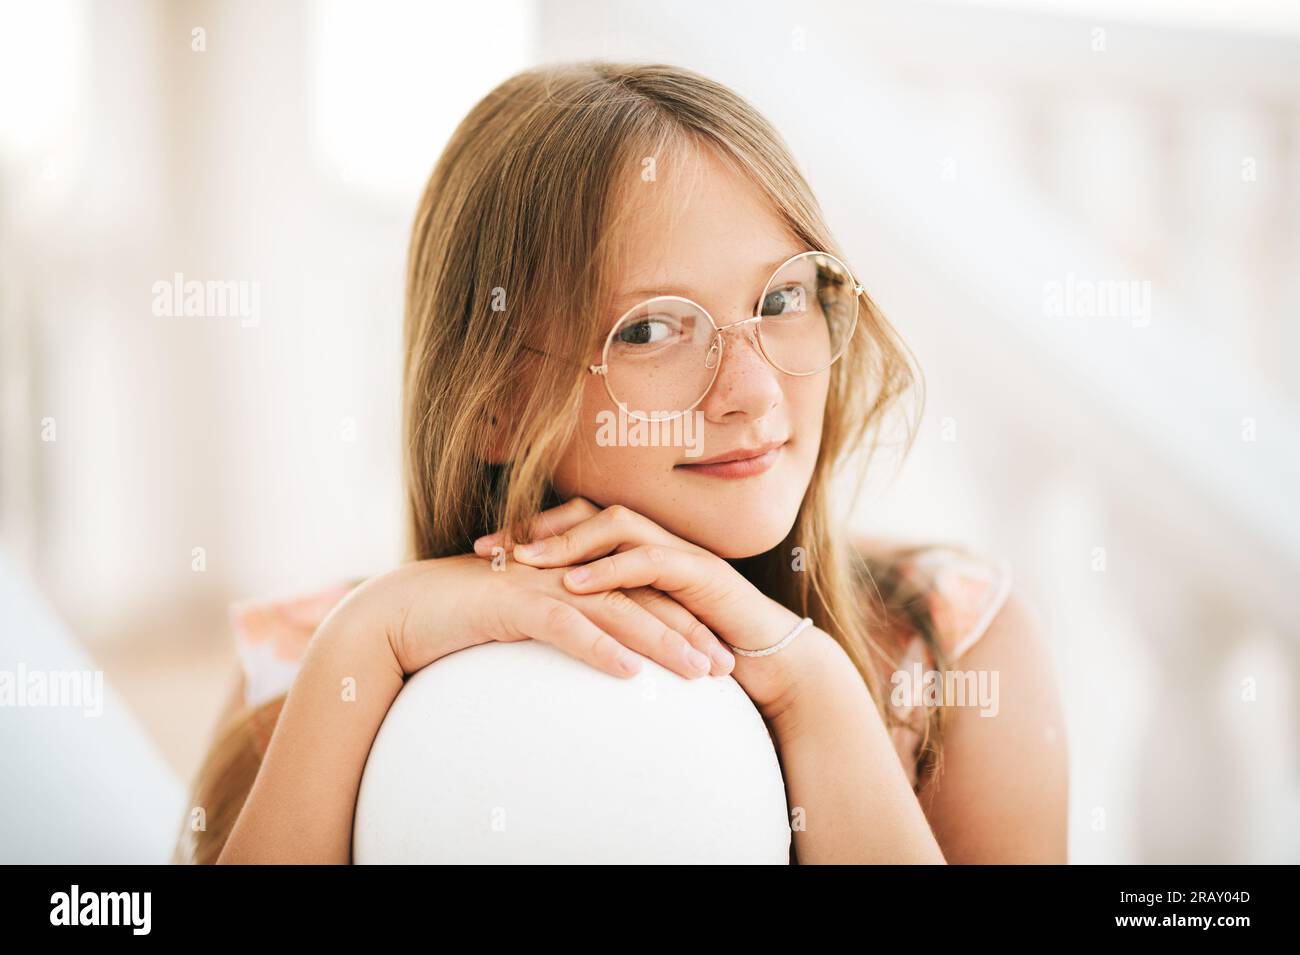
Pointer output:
x,y
642,477
806,400
603,471
582,458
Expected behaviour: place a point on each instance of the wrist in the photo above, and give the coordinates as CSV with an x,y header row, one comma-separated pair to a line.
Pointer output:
x,y
820,663
356,628
775,683
425,609
823,669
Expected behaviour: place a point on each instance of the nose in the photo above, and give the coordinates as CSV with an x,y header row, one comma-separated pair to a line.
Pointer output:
x,y
747,386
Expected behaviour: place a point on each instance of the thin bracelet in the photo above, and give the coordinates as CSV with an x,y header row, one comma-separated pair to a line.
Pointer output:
x,y
803,625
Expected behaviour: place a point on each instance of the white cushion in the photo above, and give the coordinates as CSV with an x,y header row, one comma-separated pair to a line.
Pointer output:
x,y
516,752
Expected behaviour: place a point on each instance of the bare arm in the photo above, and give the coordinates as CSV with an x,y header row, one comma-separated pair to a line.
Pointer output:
x,y
1004,791
1001,798
301,804
841,768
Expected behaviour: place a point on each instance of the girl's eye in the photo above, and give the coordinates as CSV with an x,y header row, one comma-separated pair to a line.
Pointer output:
x,y
653,330
789,301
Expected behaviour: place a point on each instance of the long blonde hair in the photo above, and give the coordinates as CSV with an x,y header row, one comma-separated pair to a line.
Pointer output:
x,y
513,236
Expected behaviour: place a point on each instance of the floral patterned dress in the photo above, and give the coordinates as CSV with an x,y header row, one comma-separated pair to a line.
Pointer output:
x,y
963,593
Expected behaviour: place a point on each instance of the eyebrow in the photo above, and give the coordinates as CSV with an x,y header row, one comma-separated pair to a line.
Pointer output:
x,y
684,292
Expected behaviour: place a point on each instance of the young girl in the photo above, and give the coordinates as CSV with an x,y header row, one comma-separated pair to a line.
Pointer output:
x,y
634,243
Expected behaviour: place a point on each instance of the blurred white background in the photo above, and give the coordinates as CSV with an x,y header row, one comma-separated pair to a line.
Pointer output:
x,y
985,165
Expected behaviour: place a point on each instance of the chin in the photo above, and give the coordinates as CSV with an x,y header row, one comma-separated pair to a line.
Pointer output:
x,y
754,532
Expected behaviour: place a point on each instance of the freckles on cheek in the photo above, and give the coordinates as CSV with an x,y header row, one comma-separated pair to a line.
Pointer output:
x,y
626,474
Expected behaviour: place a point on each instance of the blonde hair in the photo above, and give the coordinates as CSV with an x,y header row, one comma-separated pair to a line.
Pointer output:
x,y
523,209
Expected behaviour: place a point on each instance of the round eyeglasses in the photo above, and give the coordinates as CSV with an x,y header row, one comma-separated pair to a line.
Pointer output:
x,y
662,356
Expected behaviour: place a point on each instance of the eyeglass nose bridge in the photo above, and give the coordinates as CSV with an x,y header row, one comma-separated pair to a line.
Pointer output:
x,y
714,355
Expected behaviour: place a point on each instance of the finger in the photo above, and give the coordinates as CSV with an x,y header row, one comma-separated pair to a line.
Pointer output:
x,y
684,622
689,577
568,629
706,586
615,528
637,629
663,568
556,520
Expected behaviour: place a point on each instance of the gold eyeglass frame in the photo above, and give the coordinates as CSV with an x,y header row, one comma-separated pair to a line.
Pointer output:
x,y
718,341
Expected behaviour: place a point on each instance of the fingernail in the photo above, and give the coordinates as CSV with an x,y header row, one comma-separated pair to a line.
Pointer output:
x,y
697,659
629,662
577,575
721,657
528,550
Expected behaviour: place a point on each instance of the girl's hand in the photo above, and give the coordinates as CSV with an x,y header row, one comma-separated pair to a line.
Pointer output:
x,y
604,550
435,607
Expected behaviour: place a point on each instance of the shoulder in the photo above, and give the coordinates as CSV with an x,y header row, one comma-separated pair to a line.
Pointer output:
x,y
1004,789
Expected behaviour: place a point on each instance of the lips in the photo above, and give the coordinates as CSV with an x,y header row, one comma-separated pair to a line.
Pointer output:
x,y
740,463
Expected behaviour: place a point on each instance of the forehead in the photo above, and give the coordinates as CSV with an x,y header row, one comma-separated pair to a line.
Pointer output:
x,y
699,229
